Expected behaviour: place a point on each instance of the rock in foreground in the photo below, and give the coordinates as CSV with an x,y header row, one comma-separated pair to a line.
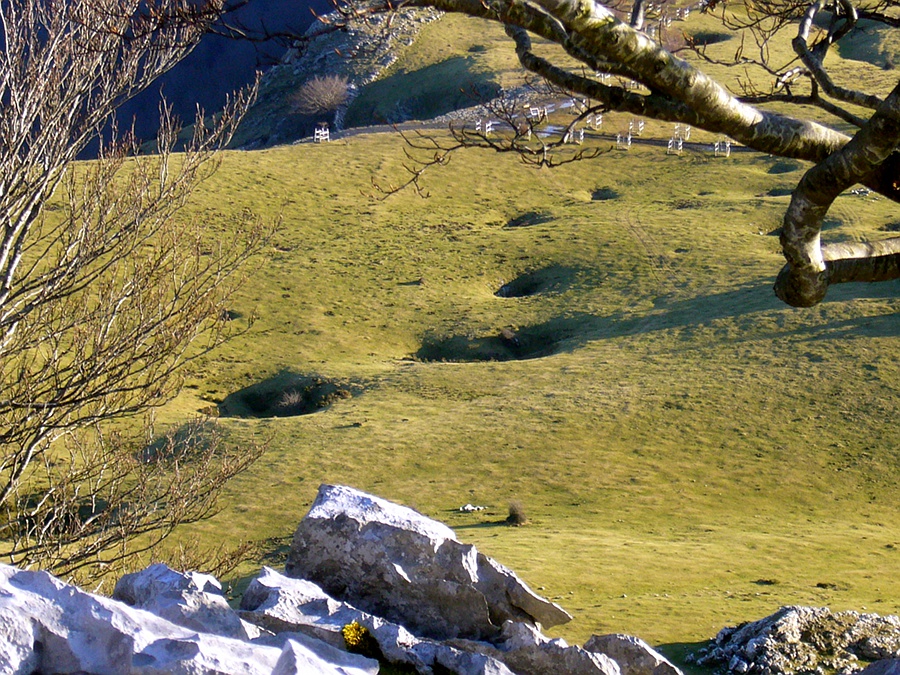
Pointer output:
x,y
181,624
393,562
48,626
634,655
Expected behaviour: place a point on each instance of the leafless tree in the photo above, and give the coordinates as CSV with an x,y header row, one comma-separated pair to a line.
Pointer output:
x,y
106,289
606,39
322,94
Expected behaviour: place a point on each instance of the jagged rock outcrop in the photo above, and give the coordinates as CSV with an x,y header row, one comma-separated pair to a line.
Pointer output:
x,y
804,640
526,651
278,603
633,655
48,626
191,599
393,562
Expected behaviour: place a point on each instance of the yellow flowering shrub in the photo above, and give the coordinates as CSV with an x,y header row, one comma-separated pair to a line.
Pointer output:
x,y
355,636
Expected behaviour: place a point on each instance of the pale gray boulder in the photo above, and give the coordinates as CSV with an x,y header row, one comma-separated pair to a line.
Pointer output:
x,y
71,631
17,640
527,651
634,656
393,562
303,654
189,599
278,603
800,639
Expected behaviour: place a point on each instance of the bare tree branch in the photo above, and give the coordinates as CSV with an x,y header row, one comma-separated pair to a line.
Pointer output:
x,y
813,58
106,290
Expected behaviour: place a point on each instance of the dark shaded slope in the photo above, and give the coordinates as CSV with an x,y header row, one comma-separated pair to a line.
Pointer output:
x,y
220,65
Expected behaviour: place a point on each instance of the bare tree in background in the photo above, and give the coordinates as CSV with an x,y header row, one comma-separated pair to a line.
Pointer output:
x,y
322,94
105,290
615,39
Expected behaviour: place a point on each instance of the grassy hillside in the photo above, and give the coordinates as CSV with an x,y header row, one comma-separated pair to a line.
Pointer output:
x,y
690,452
683,439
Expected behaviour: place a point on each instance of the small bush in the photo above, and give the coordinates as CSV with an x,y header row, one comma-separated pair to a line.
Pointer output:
x,y
360,641
322,94
516,515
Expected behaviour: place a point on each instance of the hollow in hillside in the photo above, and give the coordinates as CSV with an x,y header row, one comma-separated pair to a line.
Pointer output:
x,y
784,167
706,38
507,344
529,219
604,194
551,278
285,395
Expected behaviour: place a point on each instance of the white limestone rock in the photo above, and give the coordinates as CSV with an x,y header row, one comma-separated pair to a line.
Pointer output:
x,y
303,654
17,642
528,652
189,599
634,656
279,603
57,628
393,562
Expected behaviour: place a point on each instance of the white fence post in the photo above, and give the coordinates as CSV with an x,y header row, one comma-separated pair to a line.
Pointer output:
x,y
722,147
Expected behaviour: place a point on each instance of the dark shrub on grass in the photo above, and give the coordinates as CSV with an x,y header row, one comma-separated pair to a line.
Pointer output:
x,y
516,515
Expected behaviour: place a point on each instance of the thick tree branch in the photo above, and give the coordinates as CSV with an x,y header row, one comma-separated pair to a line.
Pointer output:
x,y
593,33
813,59
805,279
613,98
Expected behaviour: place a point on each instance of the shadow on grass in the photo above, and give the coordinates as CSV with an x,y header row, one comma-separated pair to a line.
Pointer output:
x,y
529,219
546,279
574,330
457,82
531,342
285,395
749,300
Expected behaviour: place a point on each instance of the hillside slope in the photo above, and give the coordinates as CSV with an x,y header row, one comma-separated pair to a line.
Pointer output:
x,y
598,342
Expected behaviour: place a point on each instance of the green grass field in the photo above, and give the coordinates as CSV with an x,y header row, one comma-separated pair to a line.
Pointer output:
x,y
690,452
